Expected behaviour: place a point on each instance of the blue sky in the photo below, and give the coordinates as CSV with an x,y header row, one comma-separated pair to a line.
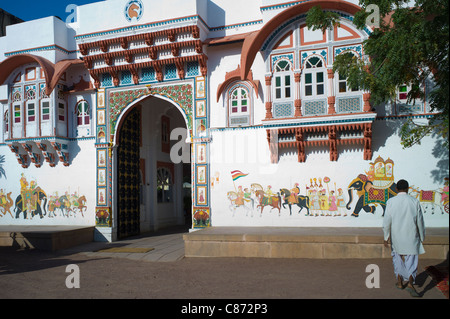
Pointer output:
x,y
32,9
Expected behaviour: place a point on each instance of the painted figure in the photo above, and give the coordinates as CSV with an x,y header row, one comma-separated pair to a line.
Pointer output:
x,y
315,202
264,199
333,204
301,201
368,194
341,203
6,203
432,198
323,201
36,200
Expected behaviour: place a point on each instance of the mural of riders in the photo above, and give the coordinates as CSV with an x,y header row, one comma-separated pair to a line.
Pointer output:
x,y
368,192
320,200
34,201
66,205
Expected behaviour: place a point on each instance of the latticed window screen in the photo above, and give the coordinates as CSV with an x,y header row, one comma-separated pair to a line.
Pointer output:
x,y
192,68
106,80
283,110
147,74
315,107
125,77
349,105
171,71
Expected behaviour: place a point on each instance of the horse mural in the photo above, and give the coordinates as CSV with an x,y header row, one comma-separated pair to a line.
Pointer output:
x,y
431,198
368,194
81,204
66,204
240,200
264,200
291,198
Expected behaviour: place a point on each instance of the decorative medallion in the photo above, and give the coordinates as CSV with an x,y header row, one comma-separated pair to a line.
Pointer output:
x,y
134,10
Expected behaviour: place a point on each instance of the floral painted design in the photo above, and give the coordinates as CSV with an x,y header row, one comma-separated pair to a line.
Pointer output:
x,y
180,94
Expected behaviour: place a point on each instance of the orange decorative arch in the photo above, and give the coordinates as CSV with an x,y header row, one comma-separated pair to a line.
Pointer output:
x,y
59,69
255,41
234,76
10,64
52,72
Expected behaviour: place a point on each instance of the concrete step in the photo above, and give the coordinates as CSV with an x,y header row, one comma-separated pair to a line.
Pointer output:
x,y
50,238
311,243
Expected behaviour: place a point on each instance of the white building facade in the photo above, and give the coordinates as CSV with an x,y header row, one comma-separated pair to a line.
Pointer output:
x,y
142,114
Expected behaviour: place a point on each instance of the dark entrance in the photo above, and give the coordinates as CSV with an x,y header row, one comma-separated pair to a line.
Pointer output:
x,y
128,176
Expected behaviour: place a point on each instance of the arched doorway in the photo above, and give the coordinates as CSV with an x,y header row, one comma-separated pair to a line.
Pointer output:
x,y
128,176
152,190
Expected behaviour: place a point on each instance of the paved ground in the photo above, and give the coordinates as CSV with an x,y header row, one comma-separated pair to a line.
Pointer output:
x,y
164,274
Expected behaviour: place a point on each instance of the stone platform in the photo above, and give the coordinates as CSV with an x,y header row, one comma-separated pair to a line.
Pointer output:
x,y
50,238
311,243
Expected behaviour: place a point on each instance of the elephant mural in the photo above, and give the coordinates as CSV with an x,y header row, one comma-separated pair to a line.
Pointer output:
x,y
32,205
369,194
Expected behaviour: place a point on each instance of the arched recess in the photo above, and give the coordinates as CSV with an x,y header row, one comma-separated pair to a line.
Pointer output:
x,y
138,101
137,159
255,41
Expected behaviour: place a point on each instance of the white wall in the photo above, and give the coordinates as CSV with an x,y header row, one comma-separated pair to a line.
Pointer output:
x,y
247,151
113,13
80,177
52,31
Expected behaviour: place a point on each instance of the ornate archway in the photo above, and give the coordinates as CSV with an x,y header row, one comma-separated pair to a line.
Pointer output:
x,y
116,109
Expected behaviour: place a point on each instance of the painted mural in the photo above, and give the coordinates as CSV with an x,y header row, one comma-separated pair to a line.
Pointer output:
x,y
321,196
34,202
433,200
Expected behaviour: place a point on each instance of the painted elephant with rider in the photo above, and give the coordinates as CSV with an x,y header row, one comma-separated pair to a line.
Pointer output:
x,y
38,199
368,194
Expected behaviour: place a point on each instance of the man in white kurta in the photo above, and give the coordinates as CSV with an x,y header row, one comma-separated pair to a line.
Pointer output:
x,y
403,225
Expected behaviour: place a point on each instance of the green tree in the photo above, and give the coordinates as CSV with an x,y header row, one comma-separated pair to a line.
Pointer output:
x,y
2,170
409,47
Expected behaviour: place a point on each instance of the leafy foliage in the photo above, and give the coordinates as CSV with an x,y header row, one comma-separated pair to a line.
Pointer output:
x,y
2,170
410,47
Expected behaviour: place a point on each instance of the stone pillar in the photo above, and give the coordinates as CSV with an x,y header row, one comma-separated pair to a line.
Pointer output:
x,y
269,114
331,96
297,94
